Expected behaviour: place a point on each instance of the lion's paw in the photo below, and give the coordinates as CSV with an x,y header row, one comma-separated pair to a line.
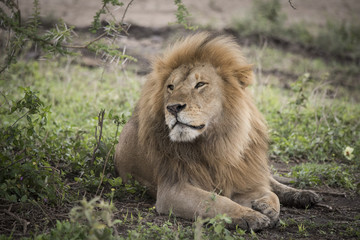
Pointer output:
x,y
302,198
262,206
252,221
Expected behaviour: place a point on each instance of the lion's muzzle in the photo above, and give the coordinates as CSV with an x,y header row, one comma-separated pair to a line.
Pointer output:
x,y
174,109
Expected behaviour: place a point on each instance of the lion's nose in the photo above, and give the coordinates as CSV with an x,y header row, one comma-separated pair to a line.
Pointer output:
x,y
175,108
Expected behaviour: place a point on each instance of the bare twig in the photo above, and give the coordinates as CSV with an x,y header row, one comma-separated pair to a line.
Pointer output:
x,y
98,139
22,159
20,118
292,5
324,206
332,193
45,213
22,221
88,44
103,173
127,7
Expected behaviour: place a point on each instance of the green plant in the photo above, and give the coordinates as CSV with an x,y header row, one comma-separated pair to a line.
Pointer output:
x,y
182,15
91,220
310,125
97,216
25,151
216,228
302,229
312,174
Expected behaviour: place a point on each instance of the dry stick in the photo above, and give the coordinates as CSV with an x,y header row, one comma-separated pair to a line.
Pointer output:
x,y
292,5
11,164
44,212
20,118
100,124
122,19
324,206
332,193
89,43
7,102
103,173
23,221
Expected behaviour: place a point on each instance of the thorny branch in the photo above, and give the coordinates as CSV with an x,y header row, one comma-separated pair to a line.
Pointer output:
x,y
17,28
105,33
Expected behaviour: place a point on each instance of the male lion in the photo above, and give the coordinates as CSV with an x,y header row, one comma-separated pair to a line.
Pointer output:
x,y
198,142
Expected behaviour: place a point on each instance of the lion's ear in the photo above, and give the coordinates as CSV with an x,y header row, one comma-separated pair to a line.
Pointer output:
x,y
244,75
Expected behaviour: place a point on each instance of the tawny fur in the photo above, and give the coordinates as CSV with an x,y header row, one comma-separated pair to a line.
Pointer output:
x,y
228,158
212,163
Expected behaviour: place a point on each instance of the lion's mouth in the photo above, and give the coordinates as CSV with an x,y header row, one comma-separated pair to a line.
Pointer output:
x,y
199,127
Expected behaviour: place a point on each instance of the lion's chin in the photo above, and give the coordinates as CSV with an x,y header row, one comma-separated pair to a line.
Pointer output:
x,y
182,133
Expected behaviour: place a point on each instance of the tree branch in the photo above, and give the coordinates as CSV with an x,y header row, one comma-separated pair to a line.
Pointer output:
x,y
127,7
292,5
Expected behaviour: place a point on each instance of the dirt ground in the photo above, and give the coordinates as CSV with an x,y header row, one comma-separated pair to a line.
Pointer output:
x,y
336,217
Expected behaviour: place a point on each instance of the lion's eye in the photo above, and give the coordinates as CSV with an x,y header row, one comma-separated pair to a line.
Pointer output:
x,y
170,87
199,85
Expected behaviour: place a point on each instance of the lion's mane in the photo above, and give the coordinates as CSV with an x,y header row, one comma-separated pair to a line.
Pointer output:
x,y
231,155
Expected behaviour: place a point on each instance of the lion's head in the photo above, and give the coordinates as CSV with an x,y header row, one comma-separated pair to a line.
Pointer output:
x,y
192,101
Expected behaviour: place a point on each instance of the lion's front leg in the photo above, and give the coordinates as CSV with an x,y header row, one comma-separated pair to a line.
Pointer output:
x,y
294,197
269,205
189,202
263,201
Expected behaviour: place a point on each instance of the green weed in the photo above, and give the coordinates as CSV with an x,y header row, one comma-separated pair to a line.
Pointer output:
x,y
313,174
306,124
91,220
26,150
44,144
302,230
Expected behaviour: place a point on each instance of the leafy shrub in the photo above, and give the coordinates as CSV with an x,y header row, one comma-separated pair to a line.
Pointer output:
x,y
25,154
91,220
37,159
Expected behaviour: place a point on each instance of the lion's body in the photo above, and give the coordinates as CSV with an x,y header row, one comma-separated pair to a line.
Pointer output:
x,y
196,132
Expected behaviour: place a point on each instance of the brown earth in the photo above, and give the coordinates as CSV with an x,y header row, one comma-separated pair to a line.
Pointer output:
x,y
336,217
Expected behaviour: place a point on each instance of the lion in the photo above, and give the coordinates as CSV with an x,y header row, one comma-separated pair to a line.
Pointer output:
x,y
197,141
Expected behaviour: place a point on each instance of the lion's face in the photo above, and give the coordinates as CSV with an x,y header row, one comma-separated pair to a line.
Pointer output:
x,y
193,101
